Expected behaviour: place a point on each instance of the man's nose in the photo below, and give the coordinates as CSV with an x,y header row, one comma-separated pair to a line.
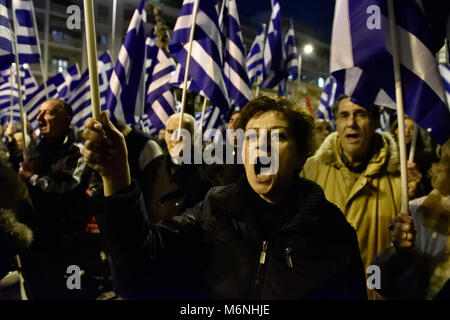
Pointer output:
x,y
351,121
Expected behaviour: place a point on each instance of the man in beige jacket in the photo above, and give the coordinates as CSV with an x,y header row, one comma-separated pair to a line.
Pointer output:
x,y
359,171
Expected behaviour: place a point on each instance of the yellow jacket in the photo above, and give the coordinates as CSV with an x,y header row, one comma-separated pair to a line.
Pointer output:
x,y
371,203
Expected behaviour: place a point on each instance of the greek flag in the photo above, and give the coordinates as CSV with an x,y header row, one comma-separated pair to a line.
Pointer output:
x,y
28,87
445,73
274,54
255,61
6,36
6,89
59,87
80,99
329,96
206,67
291,52
126,92
235,69
363,50
27,41
159,101
212,120
29,84
146,125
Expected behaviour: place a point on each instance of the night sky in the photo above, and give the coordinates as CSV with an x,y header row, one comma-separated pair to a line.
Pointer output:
x,y
315,15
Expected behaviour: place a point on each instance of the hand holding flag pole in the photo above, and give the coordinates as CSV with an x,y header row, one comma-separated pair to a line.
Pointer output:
x,y
400,108
188,64
412,149
91,45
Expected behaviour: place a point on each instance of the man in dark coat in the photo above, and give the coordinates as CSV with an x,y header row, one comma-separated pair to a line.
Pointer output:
x,y
57,179
270,236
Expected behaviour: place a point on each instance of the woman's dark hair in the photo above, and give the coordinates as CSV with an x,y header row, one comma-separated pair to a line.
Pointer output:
x,y
300,122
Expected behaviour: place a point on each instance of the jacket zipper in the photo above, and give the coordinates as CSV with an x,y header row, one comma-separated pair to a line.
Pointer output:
x,y
259,275
289,263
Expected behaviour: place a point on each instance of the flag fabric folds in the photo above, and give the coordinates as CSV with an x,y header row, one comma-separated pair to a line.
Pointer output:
x,y
365,53
255,60
235,68
27,41
29,86
126,93
328,98
206,65
291,52
6,36
444,69
274,54
159,100
80,98
212,120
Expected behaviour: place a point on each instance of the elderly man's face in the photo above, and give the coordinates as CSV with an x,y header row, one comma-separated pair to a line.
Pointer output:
x,y
171,128
269,187
355,129
53,120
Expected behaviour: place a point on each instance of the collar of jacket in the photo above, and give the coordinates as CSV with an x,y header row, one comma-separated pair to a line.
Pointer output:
x,y
386,157
232,201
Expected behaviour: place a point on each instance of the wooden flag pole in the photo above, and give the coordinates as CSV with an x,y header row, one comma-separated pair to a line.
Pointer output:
x,y
113,34
188,65
203,116
259,79
23,117
400,108
11,102
412,149
41,63
91,44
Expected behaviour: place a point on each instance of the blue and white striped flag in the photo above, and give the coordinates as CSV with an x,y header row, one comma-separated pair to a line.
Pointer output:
x,y
235,69
159,100
6,36
27,41
444,69
291,53
80,99
206,68
29,86
274,54
329,96
6,90
365,55
213,120
126,93
146,125
59,87
255,60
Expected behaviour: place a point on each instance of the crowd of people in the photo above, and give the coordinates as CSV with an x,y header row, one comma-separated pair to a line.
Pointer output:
x,y
137,223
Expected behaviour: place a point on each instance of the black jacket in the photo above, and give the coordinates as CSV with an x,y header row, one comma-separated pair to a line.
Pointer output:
x,y
215,250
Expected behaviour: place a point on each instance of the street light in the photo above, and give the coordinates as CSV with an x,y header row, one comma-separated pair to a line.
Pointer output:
x,y
308,49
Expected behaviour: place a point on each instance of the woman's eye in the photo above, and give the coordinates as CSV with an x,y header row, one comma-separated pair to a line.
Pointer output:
x,y
252,137
278,135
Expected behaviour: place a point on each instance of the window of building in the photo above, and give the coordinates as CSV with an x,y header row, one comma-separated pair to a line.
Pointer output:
x,y
102,39
59,64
